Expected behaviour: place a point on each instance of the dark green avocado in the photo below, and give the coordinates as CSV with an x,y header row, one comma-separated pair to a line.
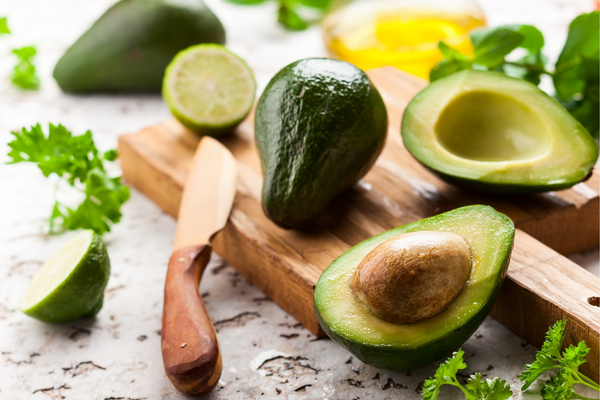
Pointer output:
x,y
320,125
129,47
383,344
489,132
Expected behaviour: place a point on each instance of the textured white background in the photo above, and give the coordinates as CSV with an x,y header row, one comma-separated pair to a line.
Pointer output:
x,y
117,355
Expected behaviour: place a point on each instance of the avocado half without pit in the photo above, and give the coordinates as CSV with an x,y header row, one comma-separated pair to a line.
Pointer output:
x,y
489,132
414,294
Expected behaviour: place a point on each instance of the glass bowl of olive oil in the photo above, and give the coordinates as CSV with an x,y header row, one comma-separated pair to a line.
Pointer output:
x,y
401,33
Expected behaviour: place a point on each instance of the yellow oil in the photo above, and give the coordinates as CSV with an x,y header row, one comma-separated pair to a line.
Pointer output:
x,y
404,38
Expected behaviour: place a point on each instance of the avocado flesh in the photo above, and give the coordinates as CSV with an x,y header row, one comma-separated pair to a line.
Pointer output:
x,y
320,125
489,132
382,344
131,44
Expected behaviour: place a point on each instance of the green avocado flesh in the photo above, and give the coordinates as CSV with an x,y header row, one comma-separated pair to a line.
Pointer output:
x,y
129,47
320,125
383,344
489,132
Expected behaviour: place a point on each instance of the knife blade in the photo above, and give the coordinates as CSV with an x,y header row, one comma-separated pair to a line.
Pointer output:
x,y
190,349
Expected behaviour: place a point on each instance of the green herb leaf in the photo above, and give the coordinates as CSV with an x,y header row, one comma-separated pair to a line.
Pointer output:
x,y
557,388
491,47
581,40
246,2
23,74
4,26
445,374
319,4
77,160
289,18
454,61
533,39
488,389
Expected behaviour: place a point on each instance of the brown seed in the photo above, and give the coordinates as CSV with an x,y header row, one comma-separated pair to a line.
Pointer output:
x,y
412,276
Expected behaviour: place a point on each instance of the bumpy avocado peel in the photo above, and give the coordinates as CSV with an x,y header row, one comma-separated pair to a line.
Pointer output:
x,y
344,319
320,125
488,132
130,45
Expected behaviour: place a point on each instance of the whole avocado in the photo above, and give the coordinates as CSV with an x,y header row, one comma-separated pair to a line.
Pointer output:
x,y
129,47
320,125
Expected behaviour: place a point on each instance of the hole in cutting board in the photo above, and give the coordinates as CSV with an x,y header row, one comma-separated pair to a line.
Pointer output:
x,y
594,300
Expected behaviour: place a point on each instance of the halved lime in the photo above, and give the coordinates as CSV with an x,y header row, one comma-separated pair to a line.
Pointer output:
x,y
71,283
209,89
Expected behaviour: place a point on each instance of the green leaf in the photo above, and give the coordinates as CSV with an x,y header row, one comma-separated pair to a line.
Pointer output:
x,y
450,53
319,4
77,160
557,388
288,17
447,67
246,2
581,40
445,374
488,389
490,48
4,26
23,74
533,39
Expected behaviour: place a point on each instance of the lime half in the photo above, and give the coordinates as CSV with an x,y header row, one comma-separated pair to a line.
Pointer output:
x,y
71,283
209,89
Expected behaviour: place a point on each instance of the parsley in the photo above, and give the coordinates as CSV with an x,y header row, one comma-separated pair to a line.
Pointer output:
x,y
23,74
476,387
77,160
4,26
575,75
559,387
289,11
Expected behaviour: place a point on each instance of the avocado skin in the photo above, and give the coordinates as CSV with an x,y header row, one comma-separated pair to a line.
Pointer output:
x,y
128,48
402,358
320,125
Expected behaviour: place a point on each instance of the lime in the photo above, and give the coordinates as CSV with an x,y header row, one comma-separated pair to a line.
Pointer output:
x,y
71,283
209,89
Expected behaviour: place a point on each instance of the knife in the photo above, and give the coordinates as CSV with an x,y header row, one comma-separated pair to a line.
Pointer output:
x,y
190,349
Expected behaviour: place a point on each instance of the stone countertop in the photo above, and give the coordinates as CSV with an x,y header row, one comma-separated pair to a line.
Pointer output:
x,y
266,353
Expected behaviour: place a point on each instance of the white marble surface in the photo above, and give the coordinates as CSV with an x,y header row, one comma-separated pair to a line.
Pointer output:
x,y
117,355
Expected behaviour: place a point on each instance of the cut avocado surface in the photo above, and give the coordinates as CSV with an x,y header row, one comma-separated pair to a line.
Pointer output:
x,y
489,132
383,344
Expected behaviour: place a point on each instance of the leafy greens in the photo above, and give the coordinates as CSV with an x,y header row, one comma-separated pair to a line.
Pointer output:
x,y
23,74
576,72
289,11
77,160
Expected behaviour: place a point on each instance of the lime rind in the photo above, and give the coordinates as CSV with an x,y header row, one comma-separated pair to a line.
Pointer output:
x,y
209,89
79,273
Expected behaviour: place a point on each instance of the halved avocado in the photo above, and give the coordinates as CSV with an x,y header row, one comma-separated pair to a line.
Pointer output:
x,y
489,132
489,235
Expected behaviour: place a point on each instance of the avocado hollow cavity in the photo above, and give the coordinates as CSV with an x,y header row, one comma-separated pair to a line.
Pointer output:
x,y
487,126
413,276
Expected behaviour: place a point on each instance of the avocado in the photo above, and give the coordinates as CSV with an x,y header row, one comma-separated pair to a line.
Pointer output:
x,y
129,47
402,346
488,132
320,125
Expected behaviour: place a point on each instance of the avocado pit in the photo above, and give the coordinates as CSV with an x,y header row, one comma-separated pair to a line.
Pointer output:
x,y
413,276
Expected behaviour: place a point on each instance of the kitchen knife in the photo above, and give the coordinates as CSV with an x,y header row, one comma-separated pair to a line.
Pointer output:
x,y
190,349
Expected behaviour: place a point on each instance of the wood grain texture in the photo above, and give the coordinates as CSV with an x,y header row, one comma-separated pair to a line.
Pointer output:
x,y
398,190
190,350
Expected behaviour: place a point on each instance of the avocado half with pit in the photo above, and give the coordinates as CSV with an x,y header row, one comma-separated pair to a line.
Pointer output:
x,y
347,319
489,132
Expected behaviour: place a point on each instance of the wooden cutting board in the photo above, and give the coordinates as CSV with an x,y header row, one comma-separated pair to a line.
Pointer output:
x,y
542,285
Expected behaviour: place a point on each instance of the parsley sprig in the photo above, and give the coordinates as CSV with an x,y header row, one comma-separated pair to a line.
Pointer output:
x,y
575,75
476,388
23,74
77,160
559,387
289,12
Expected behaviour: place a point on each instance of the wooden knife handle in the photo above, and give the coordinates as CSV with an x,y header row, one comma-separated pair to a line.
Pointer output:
x,y
189,343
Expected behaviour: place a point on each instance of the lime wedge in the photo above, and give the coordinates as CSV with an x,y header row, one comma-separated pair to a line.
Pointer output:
x,y
71,283
209,89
